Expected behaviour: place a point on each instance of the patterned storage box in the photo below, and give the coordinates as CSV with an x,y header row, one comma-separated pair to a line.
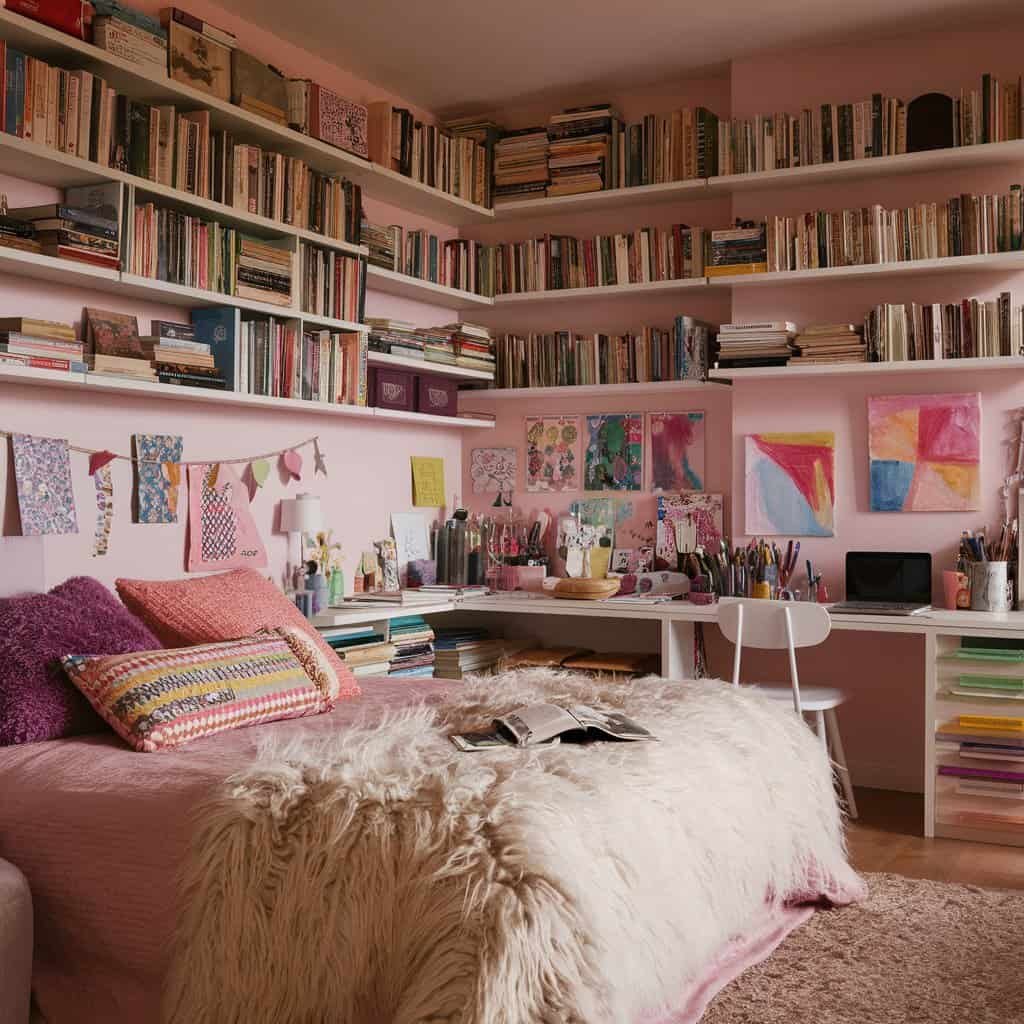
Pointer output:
x,y
436,395
392,389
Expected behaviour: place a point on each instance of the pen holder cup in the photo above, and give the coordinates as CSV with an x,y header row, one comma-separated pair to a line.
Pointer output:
x,y
530,577
762,591
990,588
956,588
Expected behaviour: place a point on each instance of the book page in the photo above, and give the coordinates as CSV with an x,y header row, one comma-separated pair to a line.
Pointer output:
x,y
535,724
610,723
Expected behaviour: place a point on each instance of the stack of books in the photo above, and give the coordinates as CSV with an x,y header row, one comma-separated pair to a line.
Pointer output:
x,y
40,344
472,344
553,262
131,35
384,242
755,344
738,250
18,234
484,132
363,650
521,165
565,358
179,359
413,639
333,283
955,330
113,346
263,272
74,232
580,152
458,652
830,343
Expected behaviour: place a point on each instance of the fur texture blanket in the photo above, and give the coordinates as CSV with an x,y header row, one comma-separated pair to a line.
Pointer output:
x,y
385,877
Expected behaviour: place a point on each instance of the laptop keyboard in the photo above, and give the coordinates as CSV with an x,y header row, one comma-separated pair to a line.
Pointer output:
x,y
878,607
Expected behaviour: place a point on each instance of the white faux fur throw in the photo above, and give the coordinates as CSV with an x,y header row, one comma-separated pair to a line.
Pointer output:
x,y
385,877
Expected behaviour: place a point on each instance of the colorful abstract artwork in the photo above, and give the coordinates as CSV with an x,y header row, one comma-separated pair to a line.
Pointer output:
x,y
221,531
42,474
790,484
493,471
614,456
677,451
552,453
696,519
925,452
157,477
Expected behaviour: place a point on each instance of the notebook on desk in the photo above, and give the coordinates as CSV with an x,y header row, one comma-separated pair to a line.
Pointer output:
x,y
887,583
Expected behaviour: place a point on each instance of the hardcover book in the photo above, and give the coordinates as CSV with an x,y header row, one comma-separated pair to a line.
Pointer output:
x,y
199,61
70,16
337,121
114,334
258,88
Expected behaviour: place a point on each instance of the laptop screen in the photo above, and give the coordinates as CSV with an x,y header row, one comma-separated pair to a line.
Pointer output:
x,y
889,576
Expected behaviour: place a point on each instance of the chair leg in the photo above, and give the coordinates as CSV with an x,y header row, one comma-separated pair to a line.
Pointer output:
x,y
819,728
839,756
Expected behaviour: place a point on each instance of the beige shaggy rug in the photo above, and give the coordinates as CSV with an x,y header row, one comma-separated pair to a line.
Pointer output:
x,y
916,952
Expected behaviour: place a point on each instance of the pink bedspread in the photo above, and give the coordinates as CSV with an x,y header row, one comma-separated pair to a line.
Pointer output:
x,y
100,830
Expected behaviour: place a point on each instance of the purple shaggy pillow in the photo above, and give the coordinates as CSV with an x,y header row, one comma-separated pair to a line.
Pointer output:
x,y
79,617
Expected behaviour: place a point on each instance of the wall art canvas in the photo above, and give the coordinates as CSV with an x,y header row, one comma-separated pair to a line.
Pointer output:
x,y
790,484
157,477
614,456
42,474
636,519
925,452
552,453
677,451
221,531
493,471
699,517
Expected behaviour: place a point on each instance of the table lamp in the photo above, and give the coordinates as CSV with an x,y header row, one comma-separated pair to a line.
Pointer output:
x,y
299,515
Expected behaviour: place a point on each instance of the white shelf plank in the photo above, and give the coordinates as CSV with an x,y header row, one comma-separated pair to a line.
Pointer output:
x,y
388,281
961,158
426,366
70,273
229,400
150,288
796,370
330,324
358,613
143,84
608,199
472,396
613,291
1004,261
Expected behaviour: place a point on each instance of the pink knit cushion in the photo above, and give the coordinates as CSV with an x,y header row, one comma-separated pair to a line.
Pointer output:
x,y
227,606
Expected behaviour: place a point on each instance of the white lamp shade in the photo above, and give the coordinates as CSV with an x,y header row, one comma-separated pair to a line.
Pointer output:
x,y
301,514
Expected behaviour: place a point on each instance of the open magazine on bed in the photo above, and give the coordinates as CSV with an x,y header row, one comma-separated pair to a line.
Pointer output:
x,y
538,724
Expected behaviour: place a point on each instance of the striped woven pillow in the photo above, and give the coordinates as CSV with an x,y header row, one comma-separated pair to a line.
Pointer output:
x,y
155,700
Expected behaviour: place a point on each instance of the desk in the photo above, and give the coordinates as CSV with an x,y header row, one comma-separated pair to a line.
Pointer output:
x,y
622,625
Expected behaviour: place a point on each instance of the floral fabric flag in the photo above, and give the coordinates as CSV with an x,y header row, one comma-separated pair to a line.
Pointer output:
x,y
42,474
157,477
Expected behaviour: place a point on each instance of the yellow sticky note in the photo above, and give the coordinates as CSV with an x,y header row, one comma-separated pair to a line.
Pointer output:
x,y
427,481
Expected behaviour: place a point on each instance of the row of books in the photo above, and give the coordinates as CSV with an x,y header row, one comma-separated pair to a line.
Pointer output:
x,y
278,360
459,344
413,640
449,160
563,358
41,344
364,649
953,330
77,112
561,261
459,652
332,284
453,262
964,225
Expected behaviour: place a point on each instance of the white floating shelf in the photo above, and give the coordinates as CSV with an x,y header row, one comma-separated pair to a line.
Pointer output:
x,y
142,84
426,366
227,400
470,396
380,280
799,370
608,199
70,273
611,291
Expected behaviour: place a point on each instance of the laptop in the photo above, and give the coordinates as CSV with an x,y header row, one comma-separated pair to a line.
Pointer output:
x,y
887,583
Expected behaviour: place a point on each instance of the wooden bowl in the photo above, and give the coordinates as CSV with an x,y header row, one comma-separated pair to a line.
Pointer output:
x,y
586,590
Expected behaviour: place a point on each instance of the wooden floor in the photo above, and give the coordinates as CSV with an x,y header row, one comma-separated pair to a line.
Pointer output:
x,y
889,836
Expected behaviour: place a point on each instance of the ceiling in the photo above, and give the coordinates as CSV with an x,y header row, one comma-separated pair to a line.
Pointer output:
x,y
439,53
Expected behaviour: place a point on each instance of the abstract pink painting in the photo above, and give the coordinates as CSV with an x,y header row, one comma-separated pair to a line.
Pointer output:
x,y
677,451
925,452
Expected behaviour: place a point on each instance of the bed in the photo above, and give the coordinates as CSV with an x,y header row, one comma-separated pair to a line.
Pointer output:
x,y
593,884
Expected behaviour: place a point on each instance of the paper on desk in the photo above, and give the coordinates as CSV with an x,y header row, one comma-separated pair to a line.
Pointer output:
x,y
412,538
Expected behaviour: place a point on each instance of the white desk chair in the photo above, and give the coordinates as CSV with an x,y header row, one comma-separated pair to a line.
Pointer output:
x,y
787,625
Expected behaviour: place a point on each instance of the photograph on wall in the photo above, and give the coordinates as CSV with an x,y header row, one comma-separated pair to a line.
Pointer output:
x,y
42,476
789,484
552,453
677,451
925,452
614,454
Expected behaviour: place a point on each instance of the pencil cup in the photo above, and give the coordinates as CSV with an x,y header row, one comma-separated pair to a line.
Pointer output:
x,y
762,591
989,587
956,587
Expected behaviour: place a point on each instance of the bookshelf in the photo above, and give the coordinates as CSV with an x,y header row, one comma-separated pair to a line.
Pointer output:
x,y
660,387
425,366
797,370
610,291
380,183
392,283
228,400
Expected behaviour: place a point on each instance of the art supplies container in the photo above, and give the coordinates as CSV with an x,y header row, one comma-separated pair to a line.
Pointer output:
x,y
762,590
990,590
530,577
956,589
